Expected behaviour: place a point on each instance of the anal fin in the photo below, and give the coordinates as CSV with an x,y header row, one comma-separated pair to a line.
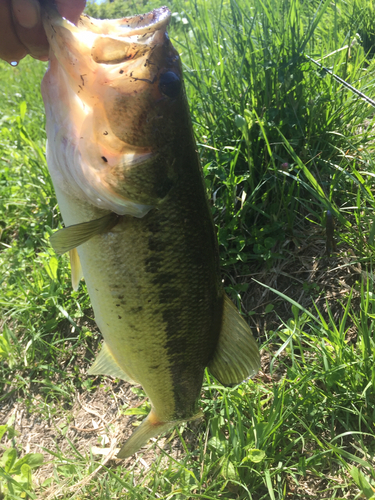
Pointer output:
x,y
236,357
105,364
76,269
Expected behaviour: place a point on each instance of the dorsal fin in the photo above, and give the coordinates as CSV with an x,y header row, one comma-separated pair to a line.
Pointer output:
x,y
236,357
72,236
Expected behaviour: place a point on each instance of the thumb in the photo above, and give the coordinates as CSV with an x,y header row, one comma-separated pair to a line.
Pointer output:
x,y
26,12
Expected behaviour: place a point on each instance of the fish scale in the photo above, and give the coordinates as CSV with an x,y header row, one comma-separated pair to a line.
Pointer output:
x,y
123,161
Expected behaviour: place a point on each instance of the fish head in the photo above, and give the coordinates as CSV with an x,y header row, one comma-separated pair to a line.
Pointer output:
x,y
114,100
141,75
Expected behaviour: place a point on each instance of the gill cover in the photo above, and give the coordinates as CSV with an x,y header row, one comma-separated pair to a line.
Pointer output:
x,y
103,102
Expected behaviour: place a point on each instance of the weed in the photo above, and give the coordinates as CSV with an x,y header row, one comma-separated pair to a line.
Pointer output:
x,y
16,473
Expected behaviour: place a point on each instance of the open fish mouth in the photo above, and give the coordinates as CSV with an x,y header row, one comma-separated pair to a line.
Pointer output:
x,y
122,80
111,41
126,39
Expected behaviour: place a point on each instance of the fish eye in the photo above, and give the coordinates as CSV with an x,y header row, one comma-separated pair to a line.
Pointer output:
x,y
170,84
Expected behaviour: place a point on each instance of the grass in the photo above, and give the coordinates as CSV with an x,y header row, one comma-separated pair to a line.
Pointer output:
x,y
281,142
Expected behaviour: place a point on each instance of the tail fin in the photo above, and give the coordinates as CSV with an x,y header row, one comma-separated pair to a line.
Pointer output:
x,y
150,427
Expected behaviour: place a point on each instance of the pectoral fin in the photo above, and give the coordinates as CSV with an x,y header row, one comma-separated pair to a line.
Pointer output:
x,y
72,236
105,364
237,356
76,269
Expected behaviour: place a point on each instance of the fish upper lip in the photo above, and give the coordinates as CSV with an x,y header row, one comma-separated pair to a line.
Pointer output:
x,y
161,19
127,26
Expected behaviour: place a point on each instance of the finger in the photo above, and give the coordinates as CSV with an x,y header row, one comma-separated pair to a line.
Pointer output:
x,y
26,12
35,39
24,33
71,9
29,27
11,47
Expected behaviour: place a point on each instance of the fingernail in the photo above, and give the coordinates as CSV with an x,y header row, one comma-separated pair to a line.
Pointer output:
x,y
26,12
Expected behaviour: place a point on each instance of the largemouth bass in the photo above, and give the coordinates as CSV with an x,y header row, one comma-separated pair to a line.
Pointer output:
x,y
123,161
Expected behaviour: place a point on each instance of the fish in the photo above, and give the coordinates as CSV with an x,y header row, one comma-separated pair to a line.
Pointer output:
x,y
138,226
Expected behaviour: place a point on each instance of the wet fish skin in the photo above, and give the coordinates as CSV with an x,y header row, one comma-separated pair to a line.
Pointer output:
x,y
120,141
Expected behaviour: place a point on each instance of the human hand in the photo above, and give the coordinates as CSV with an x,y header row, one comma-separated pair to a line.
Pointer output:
x,y
21,27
